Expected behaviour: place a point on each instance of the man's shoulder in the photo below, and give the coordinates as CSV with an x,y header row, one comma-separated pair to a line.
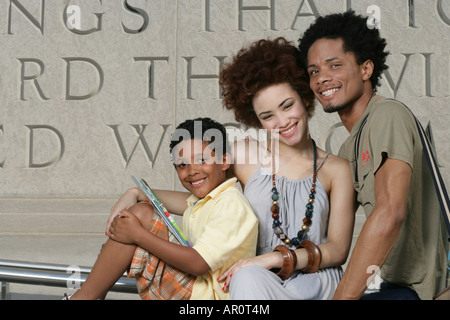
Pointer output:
x,y
232,193
388,108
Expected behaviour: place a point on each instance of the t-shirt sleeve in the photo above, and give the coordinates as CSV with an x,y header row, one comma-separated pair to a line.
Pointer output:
x,y
391,133
229,225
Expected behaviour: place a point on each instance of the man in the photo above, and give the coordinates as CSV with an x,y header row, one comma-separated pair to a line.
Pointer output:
x,y
403,234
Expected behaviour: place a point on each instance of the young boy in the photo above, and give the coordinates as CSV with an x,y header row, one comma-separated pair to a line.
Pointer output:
x,y
219,223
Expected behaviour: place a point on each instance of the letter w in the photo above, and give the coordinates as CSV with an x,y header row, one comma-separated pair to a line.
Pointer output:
x,y
139,128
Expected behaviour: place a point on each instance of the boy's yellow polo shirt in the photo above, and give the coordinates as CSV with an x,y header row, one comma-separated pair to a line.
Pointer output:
x,y
222,228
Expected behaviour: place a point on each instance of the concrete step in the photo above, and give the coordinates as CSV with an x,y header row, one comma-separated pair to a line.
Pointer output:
x,y
55,231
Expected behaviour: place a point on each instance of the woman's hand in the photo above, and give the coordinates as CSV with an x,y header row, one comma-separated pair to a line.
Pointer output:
x,y
268,261
128,199
126,228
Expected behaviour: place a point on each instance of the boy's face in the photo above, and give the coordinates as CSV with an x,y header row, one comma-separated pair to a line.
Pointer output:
x,y
198,168
335,77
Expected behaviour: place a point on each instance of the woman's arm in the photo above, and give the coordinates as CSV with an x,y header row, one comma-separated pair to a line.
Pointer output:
x,y
340,229
342,212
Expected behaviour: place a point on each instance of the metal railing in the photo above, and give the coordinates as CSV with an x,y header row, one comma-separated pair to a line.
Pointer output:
x,y
53,275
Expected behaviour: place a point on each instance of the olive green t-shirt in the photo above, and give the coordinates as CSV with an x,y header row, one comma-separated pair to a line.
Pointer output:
x,y
418,259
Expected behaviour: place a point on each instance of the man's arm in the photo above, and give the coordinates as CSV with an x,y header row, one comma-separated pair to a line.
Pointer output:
x,y
381,229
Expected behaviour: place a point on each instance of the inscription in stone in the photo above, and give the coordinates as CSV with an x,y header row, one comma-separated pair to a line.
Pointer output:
x,y
91,90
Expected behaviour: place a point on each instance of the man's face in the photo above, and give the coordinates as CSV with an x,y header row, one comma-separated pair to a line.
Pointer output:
x,y
335,77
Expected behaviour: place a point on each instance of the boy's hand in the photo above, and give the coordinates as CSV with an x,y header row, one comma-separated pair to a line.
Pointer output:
x,y
128,199
125,228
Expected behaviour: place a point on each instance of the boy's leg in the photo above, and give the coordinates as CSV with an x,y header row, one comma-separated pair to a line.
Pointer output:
x,y
114,259
155,279
112,262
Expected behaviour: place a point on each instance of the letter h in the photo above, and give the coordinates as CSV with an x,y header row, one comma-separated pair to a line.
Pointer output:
x,y
190,76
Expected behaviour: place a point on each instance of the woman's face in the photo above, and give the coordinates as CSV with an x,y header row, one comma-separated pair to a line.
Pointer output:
x,y
282,113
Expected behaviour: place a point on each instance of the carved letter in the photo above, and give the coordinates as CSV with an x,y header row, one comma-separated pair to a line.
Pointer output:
x,y
348,5
94,91
256,8
83,32
427,74
445,18
314,13
151,72
3,162
26,13
412,14
139,12
395,86
191,76
207,15
59,153
24,77
140,131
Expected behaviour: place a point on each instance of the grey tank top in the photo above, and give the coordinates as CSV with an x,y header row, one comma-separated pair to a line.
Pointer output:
x,y
294,195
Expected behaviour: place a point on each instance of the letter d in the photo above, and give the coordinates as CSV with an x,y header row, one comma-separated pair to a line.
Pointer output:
x,y
58,154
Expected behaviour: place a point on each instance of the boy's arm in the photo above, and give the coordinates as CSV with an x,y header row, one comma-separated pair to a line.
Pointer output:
x,y
183,258
174,201
128,229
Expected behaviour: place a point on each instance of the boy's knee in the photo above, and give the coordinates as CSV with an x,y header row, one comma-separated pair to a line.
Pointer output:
x,y
143,211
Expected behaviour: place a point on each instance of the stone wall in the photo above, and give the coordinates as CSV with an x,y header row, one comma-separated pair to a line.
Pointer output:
x,y
91,90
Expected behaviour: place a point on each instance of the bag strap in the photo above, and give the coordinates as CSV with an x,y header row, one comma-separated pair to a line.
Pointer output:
x,y
439,185
356,149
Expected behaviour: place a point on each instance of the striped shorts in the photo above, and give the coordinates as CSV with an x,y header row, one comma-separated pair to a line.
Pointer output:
x,y
155,279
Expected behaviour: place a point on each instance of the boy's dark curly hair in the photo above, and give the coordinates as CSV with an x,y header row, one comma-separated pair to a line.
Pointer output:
x,y
205,129
263,63
365,43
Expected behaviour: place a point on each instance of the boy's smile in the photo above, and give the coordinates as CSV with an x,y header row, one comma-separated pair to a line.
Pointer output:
x,y
198,168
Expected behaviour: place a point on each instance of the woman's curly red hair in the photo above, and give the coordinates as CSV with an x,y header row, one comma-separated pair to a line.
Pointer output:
x,y
263,63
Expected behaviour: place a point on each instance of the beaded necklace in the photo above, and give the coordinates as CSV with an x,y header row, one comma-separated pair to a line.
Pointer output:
x,y
301,235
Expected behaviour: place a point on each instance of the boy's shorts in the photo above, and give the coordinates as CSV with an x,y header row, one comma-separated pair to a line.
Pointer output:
x,y
155,279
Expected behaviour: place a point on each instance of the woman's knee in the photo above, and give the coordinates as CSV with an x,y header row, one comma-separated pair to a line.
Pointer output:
x,y
248,274
251,283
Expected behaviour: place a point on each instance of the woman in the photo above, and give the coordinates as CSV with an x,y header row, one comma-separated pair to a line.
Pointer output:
x,y
303,197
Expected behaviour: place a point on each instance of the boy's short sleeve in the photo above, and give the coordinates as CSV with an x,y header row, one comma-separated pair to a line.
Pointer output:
x,y
229,226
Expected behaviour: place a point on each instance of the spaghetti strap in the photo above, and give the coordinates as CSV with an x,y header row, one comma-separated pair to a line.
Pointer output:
x,y
324,158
